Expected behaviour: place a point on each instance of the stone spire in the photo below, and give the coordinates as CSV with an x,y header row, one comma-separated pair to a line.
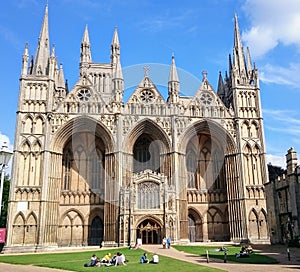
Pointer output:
x,y
85,49
173,84
239,64
61,78
118,79
43,51
221,87
115,48
249,63
25,61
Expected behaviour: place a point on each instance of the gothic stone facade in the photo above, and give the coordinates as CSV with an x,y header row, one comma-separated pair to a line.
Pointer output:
x,y
283,199
90,168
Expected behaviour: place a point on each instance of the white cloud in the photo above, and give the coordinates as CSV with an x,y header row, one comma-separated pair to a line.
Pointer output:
x,y
276,160
281,75
272,22
168,21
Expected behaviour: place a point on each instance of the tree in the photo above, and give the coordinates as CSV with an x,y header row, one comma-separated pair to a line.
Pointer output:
x,y
5,201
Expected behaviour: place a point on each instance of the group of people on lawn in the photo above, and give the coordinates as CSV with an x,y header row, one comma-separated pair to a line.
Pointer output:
x,y
118,259
245,252
107,260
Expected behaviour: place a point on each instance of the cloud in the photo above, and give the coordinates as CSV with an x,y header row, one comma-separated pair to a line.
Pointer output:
x,y
276,160
169,21
281,75
272,22
10,37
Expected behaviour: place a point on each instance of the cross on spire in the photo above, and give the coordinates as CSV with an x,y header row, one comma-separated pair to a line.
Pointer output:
x,y
146,69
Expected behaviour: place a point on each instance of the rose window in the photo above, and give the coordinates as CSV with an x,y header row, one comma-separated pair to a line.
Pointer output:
x,y
84,95
147,96
206,99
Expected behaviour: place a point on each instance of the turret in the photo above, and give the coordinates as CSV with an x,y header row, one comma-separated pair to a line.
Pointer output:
x,y
115,48
118,80
221,87
85,49
52,63
291,161
42,55
173,84
25,61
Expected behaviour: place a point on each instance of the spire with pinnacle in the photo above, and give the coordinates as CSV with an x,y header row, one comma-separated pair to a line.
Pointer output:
x,y
173,84
43,51
118,79
221,87
115,48
239,64
25,61
85,49
61,78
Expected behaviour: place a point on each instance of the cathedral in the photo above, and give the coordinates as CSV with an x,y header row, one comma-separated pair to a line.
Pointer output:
x,y
90,168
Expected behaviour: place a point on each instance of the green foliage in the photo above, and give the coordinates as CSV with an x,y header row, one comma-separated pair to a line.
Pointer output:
x,y
294,242
255,258
74,261
5,202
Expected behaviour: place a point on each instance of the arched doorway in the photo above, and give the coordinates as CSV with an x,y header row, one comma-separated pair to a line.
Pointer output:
x,y
149,231
96,232
195,226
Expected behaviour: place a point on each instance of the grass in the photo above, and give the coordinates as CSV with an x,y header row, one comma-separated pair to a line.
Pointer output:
x,y
74,261
255,258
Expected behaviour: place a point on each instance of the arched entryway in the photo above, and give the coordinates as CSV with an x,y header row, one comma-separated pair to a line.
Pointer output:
x,y
149,231
96,232
195,226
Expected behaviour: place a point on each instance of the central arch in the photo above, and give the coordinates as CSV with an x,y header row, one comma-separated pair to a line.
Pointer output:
x,y
149,231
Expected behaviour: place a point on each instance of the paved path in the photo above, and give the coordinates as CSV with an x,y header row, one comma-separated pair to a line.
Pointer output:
x,y
278,252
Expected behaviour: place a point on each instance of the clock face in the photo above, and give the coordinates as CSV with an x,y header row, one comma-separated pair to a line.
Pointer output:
x,y
84,95
206,99
147,96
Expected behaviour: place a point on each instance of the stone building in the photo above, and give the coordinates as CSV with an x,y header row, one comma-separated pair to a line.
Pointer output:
x,y
91,168
283,201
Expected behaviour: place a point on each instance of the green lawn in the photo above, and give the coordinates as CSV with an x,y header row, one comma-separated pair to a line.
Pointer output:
x,y
74,261
255,258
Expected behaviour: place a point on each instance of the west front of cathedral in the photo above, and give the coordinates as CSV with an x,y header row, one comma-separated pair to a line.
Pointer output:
x,y
92,169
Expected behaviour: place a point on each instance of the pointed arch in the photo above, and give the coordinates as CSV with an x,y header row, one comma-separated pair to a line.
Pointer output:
x,y
147,147
71,227
31,229
18,229
254,130
263,224
39,125
80,124
245,129
253,225
28,124
195,223
147,126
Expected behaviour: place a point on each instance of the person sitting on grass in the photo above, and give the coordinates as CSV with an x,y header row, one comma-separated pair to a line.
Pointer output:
x,y
120,260
243,253
249,249
106,258
155,259
144,259
93,261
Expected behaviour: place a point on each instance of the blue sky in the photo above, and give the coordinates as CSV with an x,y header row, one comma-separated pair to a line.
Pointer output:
x,y
198,33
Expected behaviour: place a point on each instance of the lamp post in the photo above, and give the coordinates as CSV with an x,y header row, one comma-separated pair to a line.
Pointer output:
x,y
5,155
